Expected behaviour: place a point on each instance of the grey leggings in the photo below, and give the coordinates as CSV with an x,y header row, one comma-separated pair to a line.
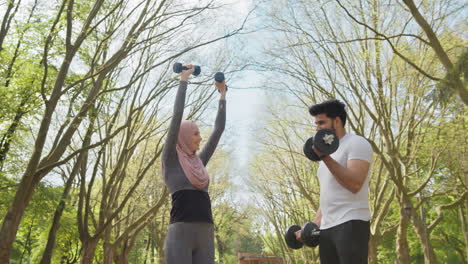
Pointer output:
x,y
190,243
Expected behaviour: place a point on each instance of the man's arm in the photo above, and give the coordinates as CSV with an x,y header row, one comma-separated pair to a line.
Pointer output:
x,y
317,220
353,176
318,217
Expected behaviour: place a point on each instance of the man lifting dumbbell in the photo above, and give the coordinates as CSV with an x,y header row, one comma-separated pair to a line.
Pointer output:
x,y
343,214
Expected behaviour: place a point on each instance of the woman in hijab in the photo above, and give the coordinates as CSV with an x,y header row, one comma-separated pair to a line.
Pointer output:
x,y
190,237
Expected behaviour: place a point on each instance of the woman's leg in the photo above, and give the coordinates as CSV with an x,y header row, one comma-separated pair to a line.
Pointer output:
x,y
178,245
204,247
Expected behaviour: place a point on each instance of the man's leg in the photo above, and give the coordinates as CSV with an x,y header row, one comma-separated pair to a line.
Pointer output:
x,y
352,242
327,249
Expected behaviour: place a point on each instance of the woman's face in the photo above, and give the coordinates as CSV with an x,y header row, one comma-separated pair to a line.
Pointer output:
x,y
196,139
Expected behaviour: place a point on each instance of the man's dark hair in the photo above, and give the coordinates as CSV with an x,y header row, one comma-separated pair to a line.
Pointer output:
x,y
332,108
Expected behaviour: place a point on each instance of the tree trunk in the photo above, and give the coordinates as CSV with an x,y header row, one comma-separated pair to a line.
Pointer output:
x,y
123,257
6,22
161,255
464,226
402,249
421,230
27,244
373,243
148,248
6,139
220,249
13,217
89,249
47,255
109,254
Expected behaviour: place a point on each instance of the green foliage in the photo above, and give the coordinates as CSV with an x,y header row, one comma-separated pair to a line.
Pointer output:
x,y
7,188
448,239
68,244
235,231
35,224
386,249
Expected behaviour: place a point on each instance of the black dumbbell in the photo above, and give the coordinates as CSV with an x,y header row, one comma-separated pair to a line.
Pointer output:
x,y
178,68
219,77
324,141
310,234
290,237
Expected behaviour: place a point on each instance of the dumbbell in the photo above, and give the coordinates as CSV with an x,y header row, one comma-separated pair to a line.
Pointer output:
x,y
178,68
310,234
324,141
219,77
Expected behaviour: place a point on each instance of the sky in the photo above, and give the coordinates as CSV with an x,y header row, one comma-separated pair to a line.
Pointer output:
x,y
246,103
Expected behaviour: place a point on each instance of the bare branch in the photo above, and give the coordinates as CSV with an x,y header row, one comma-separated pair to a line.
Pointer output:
x,y
390,43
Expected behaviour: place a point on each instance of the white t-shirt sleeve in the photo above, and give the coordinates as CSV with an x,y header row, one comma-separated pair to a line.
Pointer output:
x,y
360,149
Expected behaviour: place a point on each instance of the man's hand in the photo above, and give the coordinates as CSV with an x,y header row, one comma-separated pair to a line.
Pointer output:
x,y
298,236
319,154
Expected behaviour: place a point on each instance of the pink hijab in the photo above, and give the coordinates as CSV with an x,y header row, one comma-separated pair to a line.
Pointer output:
x,y
188,159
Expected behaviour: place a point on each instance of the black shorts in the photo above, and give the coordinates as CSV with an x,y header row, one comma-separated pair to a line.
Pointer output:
x,y
347,243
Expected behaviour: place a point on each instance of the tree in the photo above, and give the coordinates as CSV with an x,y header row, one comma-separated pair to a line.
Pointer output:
x,y
454,72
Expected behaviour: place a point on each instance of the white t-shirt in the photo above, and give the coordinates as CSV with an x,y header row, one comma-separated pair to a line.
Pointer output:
x,y
337,203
